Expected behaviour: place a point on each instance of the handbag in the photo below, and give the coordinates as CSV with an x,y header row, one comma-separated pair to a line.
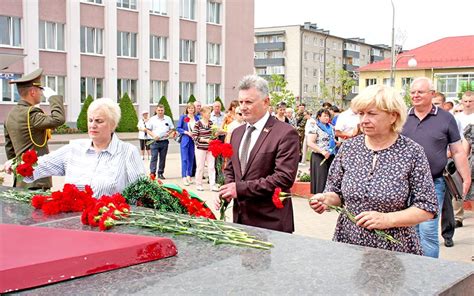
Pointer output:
x,y
453,180
178,138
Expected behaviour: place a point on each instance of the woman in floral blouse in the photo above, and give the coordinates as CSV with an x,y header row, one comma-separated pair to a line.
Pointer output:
x,y
323,144
381,177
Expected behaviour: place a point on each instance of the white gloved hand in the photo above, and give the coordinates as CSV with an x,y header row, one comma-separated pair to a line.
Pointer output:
x,y
48,92
7,167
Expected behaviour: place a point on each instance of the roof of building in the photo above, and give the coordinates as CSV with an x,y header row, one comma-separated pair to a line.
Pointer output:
x,y
449,52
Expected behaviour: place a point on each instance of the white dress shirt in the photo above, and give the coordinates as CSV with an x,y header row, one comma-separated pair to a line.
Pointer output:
x,y
160,126
259,125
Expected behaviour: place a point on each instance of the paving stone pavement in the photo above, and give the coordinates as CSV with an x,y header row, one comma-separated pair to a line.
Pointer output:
x,y
307,223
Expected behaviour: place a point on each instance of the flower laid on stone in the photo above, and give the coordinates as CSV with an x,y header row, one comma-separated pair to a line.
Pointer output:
x,y
70,199
23,165
153,194
221,152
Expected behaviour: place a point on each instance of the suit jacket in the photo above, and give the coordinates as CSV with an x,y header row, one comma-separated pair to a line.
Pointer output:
x,y
272,162
17,136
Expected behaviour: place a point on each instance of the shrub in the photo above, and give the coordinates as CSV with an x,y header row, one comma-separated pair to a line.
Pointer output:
x,y
65,129
222,104
129,120
164,102
192,99
303,177
82,118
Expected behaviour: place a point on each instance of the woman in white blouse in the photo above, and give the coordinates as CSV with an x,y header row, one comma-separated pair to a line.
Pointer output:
x,y
103,161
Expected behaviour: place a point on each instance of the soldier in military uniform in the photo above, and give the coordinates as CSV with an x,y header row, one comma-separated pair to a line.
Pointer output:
x,y
28,127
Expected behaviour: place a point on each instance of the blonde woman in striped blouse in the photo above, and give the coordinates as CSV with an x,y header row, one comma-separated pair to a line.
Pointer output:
x,y
104,162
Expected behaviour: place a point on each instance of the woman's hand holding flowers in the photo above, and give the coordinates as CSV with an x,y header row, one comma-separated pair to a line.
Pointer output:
x,y
374,220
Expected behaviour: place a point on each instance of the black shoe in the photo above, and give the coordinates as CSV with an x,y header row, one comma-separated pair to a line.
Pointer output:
x,y
458,224
160,176
448,242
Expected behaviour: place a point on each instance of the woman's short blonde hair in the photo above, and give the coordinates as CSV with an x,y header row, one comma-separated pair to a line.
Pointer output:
x,y
110,108
384,98
206,109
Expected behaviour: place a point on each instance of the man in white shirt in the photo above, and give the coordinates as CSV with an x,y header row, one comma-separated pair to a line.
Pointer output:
x,y
217,118
159,127
347,125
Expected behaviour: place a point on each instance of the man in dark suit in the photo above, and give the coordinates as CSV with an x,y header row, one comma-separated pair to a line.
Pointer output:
x,y
266,153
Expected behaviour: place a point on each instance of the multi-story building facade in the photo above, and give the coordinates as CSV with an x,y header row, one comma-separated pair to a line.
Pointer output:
x,y
449,62
146,48
309,57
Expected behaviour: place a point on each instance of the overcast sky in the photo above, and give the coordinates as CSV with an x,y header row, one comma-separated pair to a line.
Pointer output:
x,y
417,22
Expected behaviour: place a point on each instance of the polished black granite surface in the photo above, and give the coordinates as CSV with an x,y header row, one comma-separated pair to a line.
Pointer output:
x,y
297,265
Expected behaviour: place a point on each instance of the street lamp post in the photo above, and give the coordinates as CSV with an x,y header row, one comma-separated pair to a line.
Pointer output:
x,y
393,62
411,64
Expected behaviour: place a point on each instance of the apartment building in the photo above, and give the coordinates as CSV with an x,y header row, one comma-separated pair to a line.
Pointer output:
x,y
146,48
309,58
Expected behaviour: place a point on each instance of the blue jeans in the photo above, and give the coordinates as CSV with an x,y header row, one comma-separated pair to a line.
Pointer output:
x,y
160,149
428,230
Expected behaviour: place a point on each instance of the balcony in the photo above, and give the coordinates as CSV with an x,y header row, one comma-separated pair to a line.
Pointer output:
x,y
351,53
270,46
374,59
269,62
349,67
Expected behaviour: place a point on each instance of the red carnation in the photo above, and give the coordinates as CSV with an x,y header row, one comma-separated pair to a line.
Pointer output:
x,y
37,201
85,217
30,157
215,147
187,119
226,150
51,208
106,221
276,198
25,170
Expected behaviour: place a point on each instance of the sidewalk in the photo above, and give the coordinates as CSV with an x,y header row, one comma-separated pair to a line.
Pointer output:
x,y
307,223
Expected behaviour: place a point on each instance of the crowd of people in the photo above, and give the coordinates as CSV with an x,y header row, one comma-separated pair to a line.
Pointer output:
x,y
381,161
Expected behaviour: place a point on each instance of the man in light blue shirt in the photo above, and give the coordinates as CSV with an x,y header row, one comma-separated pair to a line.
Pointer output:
x,y
160,127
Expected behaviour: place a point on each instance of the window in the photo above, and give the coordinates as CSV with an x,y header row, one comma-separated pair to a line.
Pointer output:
x,y
10,30
213,12
128,86
321,58
351,61
130,4
305,88
334,45
126,44
213,54
212,92
315,41
306,39
186,89
452,84
387,81
376,52
370,81
186,51
315,57
91,86
187,9
275,70
93,1
261,55
91,40
321,42
261,71
315,72
51,35
56,83
305,72
315,88
352,47
306,55
9,91
158,47
159,7
158,89
406,81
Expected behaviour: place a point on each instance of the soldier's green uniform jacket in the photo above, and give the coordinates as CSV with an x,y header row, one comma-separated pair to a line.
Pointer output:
x,y
17,136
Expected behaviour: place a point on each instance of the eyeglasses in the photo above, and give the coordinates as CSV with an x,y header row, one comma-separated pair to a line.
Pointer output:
x,y
419,92
239,113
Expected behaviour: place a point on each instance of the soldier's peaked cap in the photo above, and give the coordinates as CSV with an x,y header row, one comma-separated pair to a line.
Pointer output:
x,y
31,79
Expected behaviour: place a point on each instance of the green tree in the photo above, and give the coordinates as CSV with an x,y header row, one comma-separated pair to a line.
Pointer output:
x,y
163,101
82,118
342,85
192,99
129,119
222,104
406,95
278,91
464,87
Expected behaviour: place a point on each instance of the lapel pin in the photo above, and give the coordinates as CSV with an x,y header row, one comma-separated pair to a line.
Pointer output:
x,y
266,130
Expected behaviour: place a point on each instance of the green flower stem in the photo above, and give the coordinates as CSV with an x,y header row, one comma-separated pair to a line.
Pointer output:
x,y
215,231
23,196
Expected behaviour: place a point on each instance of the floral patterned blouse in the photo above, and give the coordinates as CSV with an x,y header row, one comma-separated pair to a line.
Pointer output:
x,y
389,180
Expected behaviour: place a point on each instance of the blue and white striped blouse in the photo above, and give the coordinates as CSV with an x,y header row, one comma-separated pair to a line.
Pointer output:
x,y
107,172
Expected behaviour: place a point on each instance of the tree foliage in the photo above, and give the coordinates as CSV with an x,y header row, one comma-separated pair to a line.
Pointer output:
x,y
192,99
129,119
464,87
343,83
163,101
82,118
278,91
